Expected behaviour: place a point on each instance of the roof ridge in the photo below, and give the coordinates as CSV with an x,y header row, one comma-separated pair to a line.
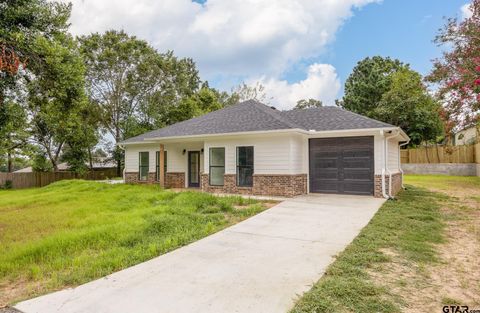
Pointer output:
x,y
275,114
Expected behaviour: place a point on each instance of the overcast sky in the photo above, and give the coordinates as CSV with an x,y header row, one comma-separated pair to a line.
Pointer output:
x,y
296,48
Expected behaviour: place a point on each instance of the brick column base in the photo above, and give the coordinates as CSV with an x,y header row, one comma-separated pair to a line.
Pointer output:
x,y
396,184
172,179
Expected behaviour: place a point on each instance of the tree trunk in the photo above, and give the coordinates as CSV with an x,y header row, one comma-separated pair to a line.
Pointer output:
x,y
118,152
9,162
426,153
90,158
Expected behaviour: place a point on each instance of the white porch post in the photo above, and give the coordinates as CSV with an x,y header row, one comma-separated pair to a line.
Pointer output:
x,y
161,166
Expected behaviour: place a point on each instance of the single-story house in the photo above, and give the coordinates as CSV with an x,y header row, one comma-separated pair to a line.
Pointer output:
x,y
251,148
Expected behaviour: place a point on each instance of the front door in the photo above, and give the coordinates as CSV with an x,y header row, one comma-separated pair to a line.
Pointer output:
x,y
194,169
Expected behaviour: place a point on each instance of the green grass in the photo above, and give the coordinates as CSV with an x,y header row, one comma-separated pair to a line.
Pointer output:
x,y
443,182
410,226
71,232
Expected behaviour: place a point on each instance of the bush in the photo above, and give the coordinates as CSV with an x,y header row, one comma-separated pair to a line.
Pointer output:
x,y
8,184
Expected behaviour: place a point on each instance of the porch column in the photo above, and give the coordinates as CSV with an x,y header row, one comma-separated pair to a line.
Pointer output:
x,y
161,166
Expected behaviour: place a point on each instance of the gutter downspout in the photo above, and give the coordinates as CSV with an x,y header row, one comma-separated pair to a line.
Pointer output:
x,y
385,165
384,194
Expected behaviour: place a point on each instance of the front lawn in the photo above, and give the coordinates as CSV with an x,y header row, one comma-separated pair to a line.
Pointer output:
x,y
71,232
413,255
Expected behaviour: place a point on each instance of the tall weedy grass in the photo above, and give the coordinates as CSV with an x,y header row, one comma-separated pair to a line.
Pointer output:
x,y
71,232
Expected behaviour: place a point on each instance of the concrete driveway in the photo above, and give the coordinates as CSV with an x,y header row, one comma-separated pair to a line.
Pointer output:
x,y
259,265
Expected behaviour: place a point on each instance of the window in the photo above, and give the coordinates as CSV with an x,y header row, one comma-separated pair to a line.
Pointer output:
x,y
157,164
143,166
245,166
217,166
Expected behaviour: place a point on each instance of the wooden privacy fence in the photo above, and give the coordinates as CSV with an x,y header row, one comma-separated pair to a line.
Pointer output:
x,y
442,154
40,179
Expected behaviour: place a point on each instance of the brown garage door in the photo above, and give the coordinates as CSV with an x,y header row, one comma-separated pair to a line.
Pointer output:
x,y
342,165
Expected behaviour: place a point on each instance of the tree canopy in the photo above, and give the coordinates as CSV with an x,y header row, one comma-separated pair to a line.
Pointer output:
x,y
388,90
457,72
306,104
369,80
408,104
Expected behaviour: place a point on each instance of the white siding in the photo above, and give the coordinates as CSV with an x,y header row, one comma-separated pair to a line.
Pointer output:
x,y
176,160
132,154
393,155
273,154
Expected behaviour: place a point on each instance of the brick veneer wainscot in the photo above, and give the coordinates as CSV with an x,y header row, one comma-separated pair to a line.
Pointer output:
x,y
263,184
396,184
172,179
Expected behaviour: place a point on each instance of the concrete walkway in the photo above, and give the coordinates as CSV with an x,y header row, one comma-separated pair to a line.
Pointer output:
x,y
260,265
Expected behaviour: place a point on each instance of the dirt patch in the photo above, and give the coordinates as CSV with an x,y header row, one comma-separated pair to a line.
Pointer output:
x,y
13,291
455,278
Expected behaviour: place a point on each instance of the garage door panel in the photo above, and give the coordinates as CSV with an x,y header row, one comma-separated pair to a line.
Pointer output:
x,y
326,163
357,174
360,163
357,188
326,174
329,186
341,165
361,152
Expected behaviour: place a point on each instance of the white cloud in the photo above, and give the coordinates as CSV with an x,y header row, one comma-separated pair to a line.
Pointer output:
x,y
466,11
234,37
234,40
321,83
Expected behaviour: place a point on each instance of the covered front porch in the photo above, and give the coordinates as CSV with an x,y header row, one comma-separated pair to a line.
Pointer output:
x,y
169,164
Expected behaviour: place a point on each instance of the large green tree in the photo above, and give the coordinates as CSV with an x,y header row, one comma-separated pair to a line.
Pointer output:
x,y
59,109
408,104
134,86
388,90
367,83
21,23
48,74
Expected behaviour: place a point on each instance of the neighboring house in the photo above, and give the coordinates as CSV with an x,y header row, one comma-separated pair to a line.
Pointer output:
x,y
250,148
466,136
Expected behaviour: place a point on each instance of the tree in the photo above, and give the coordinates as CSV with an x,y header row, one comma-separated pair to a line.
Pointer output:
x,y
56,97
21,23
244,92
457,73
14,135
370,79
407,104
134,86
306,104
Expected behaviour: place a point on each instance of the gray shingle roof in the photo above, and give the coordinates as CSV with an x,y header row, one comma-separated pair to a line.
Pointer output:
x,y
251,116
331,118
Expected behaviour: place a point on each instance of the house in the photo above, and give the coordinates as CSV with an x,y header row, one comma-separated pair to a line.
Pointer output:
x,y
466,136
251,148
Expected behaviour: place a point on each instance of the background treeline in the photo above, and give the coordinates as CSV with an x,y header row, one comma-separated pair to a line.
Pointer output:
x,y
66,99
61,98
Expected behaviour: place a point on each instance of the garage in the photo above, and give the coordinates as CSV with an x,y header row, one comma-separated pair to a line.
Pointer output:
x,y
343,165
